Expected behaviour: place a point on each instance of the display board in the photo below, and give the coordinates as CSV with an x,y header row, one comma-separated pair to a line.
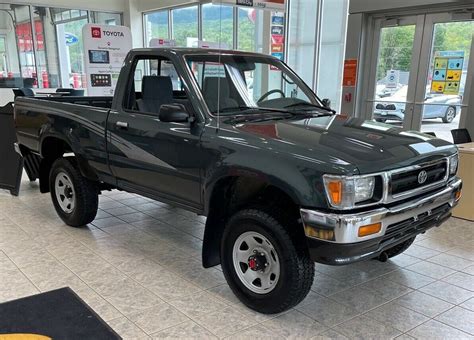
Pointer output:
x,y
263,4
447,72
12,162
106,47
277,38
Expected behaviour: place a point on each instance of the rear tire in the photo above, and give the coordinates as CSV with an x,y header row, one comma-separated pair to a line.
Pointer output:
x,y
75,198
256,246
449,115
400,248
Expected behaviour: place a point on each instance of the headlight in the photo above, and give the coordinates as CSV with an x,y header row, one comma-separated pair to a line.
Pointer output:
x,y
453,164
345,192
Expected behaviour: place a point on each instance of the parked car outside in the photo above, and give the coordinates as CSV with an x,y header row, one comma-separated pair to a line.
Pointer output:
x,y
441,106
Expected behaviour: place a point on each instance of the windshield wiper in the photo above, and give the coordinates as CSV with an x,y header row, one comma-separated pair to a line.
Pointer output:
x,y
248,108
311,105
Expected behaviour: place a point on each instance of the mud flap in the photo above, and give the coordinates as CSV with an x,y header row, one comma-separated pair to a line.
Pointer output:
x,y
11,167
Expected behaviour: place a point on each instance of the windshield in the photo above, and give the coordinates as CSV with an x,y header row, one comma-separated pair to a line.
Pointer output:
x,y
243,84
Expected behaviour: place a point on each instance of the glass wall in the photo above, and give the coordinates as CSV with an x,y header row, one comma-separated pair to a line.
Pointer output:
x,y
332,50
42,47
247,29
156,26
315,38
218,24
302,42
185,26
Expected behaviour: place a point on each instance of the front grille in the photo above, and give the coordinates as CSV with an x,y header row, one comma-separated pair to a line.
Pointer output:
x,y
416,224
385,107
406,181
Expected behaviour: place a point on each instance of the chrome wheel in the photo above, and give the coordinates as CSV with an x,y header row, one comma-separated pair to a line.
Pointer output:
x,y
256,262
65,194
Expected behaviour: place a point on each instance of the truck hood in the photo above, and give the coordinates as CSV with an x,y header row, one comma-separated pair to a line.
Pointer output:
x,y
367,145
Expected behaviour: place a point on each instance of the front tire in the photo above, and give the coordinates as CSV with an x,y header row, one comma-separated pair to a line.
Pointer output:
x,y
449,115
265,263
74,197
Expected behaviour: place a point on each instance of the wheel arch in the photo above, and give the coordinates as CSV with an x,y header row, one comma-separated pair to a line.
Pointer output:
x,y
230,193
53,147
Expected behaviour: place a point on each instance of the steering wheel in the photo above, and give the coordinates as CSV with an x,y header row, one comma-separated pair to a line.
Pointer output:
x,y
269,93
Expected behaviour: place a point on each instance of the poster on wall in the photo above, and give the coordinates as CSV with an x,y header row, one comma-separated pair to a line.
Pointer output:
x,y
447,72
278,5
105,49
350,73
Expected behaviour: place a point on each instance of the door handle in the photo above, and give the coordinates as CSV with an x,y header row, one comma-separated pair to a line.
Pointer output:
x,y
122,125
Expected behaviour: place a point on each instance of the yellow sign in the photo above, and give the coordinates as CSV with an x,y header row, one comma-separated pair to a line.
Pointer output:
x,y
447,72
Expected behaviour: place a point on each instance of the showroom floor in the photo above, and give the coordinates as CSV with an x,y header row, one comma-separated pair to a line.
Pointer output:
x,y
138,266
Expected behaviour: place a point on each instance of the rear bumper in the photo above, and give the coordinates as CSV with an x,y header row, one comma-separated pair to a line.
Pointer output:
x,y
398,224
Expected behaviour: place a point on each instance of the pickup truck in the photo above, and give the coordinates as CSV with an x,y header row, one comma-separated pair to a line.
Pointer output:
x,y
239,138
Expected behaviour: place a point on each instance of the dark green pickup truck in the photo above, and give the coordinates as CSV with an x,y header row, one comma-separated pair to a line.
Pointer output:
x,y
240,138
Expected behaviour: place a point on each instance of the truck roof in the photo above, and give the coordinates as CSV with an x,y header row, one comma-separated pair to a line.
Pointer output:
x,y
190,50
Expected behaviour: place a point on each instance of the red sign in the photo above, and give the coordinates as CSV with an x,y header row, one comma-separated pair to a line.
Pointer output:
x,y
96,32
278,39
350,72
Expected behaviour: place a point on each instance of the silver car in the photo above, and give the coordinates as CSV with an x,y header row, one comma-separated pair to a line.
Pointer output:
x,y
441,106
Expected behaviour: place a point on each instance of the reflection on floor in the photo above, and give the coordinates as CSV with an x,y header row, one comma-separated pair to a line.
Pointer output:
x,y
138,266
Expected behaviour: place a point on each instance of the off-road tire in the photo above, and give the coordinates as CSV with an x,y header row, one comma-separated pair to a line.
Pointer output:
x,y
296,267
86,194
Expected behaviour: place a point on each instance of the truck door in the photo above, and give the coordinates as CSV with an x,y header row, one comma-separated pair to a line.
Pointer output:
x,y
155,158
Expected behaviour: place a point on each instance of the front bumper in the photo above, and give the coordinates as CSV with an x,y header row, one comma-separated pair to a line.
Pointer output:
x,y
398,224
389,115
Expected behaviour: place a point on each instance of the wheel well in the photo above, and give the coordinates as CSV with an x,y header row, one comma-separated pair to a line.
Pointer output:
x,y
52,148
235,193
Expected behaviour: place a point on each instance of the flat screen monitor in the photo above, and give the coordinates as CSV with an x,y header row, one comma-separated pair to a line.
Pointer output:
x,y
99,57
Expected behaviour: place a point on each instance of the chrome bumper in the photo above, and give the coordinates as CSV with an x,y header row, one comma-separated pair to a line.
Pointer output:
x,y
346,226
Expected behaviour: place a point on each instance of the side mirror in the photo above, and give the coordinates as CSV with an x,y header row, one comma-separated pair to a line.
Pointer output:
x,y
327,102
173,113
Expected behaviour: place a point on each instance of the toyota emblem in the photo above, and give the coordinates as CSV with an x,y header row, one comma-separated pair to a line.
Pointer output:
x,y
422,177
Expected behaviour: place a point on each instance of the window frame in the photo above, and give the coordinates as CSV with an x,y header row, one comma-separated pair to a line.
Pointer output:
x,y
131,80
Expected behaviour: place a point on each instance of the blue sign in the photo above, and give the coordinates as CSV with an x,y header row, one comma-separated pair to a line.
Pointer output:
x,y
278,55
71,39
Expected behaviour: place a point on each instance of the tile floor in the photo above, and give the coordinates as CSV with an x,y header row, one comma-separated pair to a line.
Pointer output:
x,y
138,266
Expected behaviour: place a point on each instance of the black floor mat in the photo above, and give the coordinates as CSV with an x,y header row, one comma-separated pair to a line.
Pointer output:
x,y
58,314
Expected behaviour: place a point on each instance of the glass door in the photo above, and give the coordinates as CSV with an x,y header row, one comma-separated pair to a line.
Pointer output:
x,y
419,70
444,67
394,69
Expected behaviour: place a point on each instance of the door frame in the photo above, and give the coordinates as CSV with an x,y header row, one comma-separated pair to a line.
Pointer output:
x,y
368,55
424,67
397,21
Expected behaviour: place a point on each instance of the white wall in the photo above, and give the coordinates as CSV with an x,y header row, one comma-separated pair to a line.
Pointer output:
x,y
364,6
102,5
150,5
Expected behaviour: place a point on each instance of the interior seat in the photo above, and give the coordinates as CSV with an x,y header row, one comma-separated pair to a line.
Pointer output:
x,y
215,98
156,91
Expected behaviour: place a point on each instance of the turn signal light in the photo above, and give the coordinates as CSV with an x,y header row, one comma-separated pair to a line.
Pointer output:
x,y
322,234
335,192
458,195
370,229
